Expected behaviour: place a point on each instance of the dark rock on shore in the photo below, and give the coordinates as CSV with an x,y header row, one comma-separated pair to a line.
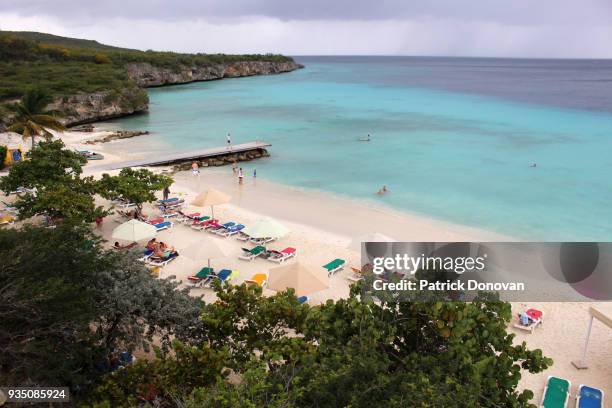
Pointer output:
x,y
224,159
120,134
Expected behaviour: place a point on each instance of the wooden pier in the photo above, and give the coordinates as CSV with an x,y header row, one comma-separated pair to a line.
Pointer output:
x,y
195,155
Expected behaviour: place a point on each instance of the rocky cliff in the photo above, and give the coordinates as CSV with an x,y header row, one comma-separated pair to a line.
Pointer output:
x,y
85,108
147,75
92,107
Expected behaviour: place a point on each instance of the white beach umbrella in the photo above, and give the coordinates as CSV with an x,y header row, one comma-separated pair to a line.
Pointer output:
x,y
304,279
355,243
266,228
210,197
204,250
134,230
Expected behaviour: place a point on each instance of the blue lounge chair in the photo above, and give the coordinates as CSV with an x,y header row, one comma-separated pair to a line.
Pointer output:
x,y
163,225
589,397
156,261
302,299
167,200
228,232
216,227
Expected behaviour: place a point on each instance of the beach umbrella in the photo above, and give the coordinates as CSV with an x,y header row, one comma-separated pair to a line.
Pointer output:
x,y
266,228
134,230
210,197
304,279
204,250
355,243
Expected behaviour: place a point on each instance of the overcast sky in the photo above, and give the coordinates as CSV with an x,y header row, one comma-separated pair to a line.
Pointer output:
x,y
504,28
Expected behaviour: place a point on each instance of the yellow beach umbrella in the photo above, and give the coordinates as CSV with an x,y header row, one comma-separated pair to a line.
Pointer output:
x,y
210,197
304,279
204,250
134,230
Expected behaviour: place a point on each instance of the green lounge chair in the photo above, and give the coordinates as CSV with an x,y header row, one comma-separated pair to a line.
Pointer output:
x,y
556,393
250,254
335,266
201,277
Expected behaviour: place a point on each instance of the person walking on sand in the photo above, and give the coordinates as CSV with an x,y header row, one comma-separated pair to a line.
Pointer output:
x,y
229,142
195,169
240,175
166,192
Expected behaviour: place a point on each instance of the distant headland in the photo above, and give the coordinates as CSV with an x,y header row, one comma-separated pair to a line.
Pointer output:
x,y
91,81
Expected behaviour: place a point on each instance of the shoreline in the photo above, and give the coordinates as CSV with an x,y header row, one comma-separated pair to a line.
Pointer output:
x,y
315,208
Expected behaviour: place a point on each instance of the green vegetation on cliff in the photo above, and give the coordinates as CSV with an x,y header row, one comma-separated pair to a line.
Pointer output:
x,y
66,66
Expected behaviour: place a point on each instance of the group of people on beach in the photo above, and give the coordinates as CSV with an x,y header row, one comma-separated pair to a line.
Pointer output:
x,y
160,249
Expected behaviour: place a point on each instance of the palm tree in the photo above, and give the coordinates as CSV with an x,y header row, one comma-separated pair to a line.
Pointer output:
x,y
31,117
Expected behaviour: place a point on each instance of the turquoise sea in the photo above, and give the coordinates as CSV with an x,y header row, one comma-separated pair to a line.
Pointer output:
x,y
452,138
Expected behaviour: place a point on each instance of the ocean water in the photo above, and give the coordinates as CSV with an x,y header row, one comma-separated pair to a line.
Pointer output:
x,y
452,138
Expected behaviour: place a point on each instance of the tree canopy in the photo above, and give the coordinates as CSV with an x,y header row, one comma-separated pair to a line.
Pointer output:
x,y
67,305
59,191
350,352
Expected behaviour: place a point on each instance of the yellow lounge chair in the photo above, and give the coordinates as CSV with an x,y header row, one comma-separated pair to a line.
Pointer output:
x,y
259,279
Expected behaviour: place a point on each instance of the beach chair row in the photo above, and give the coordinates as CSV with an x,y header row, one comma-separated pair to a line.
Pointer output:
x,y
557,395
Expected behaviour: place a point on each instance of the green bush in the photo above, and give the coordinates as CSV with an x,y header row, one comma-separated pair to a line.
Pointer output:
x,y
3,150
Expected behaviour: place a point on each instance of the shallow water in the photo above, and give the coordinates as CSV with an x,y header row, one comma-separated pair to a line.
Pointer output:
x,y
451,138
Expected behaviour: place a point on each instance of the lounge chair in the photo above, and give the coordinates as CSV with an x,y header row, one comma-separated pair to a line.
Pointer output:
x,y
356,275
152,221
163,225
589,397
204,275
556,393
182,217
529,320
156,261
250,254
200,225
335,266
241,236
125,247
259,279
9,207
215,226
228,232
226,275
145,255
302,299
171,204
7,219
167,200
261,241
123,203
281,256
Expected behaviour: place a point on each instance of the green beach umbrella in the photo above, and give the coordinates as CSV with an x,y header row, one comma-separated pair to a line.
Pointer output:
x,y
266,228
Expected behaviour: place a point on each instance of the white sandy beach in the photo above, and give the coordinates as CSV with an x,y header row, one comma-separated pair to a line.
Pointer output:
x,y
321,227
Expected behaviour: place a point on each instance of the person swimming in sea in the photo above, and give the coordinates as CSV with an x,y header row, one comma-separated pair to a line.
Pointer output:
x,y
383,190
367,139
533,165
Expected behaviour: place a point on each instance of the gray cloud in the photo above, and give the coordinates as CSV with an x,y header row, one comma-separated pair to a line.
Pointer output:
x,y
514,12
500,28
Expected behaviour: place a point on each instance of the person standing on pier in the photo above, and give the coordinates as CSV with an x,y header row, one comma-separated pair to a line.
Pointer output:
x,y
229,142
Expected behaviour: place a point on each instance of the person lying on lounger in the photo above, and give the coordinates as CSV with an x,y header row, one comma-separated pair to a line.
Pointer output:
x,y
127,246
